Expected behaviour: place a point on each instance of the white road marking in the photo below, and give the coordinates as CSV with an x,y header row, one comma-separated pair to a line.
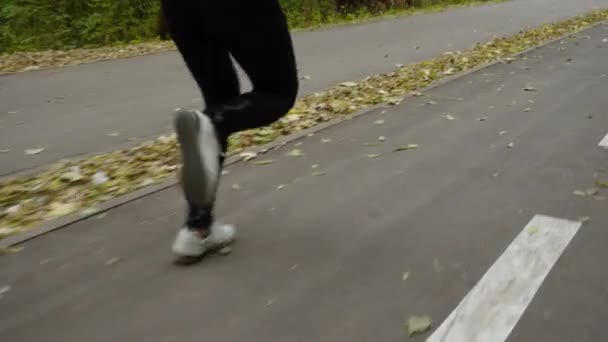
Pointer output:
x,y
604,143
490,311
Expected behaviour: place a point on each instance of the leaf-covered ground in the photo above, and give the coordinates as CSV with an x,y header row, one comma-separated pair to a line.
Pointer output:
x,y
77,186
26,61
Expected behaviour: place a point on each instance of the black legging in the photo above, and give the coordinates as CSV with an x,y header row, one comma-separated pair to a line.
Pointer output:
x,y
255,33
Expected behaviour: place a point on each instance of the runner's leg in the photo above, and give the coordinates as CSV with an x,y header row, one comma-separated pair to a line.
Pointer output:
x,y
208,60
262,45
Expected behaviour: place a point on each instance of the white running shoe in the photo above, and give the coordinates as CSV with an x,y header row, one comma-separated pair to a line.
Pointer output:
x,y
189,243
200,149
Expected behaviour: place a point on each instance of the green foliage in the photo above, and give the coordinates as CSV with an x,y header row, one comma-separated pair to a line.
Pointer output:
x,y
28,25
64,24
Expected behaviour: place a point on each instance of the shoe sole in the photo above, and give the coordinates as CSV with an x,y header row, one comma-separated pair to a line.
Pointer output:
x,y
196,179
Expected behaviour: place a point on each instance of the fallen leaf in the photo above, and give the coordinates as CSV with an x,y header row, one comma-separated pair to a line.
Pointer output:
x,y
533,230
448,117
529,88
306,77
482,119
379,122
236,186
225,251
5,231
113,261
263,162
348,84
248,155
511,145
74,175
4,290
295,153
13,209
417,93
99,178
164,139
113,134
325,140
394,101
281,187
418,324
147,181
503,132
406,147
318,173
527,110
10,250
61,209
7,150
33,151
430,103
580,193
225,172
89,211
592,191
601,183
382,138
373,156
405,276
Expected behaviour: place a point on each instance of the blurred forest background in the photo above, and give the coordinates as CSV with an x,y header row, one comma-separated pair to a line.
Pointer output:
x,y
31,25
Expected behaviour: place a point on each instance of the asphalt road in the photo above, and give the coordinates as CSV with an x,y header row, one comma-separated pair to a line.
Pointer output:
x,y
70,112
325,258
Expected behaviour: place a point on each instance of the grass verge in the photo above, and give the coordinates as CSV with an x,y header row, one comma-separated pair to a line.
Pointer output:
x,y
35,60
78,185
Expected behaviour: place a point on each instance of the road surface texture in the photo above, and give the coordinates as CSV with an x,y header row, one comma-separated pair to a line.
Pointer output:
x,y
70,112
325,257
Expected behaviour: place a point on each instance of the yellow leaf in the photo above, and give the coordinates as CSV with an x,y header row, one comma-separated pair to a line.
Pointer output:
x,y
418,324
61,209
